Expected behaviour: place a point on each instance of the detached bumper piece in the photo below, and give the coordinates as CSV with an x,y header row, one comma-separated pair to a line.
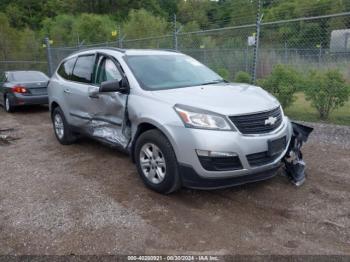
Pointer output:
x,y
293,160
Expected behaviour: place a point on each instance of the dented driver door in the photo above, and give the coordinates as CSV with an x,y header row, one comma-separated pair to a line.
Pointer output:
x,y
107,110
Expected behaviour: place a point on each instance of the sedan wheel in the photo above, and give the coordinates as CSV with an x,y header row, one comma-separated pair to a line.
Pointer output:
x,y
8,106
59,127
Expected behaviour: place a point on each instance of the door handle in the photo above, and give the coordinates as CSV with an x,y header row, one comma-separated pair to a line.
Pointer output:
x,y
93,92
67,91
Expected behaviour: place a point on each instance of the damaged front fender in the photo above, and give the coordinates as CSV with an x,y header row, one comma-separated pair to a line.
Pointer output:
x,y
293,159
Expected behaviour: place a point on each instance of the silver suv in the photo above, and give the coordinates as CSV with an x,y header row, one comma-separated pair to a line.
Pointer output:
x,y
182,124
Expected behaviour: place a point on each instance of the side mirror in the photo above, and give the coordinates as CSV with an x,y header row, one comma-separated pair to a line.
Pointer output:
x,y
121,86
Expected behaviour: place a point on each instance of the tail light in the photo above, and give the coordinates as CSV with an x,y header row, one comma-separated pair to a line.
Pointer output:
x,y
19,89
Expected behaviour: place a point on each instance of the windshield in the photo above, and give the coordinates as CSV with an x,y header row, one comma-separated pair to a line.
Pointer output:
x,y
29,76
157,72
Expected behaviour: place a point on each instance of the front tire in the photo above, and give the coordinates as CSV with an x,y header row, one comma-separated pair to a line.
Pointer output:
x,y
156,162
61,128
9,108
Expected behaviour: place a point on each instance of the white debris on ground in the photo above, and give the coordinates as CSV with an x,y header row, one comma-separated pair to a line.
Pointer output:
x,y
7,136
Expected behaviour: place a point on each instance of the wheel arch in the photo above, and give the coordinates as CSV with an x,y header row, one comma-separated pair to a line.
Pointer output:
x,y
143,127
6,93
53,105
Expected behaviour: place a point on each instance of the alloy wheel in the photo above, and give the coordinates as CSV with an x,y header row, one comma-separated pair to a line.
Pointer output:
x,y
59,127
152,163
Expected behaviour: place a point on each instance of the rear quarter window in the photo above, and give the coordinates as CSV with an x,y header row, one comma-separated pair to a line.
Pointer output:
x,y
66,68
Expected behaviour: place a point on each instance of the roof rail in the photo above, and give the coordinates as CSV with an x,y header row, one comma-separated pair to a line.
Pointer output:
x,y
169,49
123,50
157,49
99,47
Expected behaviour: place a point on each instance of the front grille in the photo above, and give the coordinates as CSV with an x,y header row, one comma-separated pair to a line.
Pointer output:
x,y
260,159
255,123
220,163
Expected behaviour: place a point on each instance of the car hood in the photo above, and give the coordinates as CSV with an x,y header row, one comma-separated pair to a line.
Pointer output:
x,y
223,98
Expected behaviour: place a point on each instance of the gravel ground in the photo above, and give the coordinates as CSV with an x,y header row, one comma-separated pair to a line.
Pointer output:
x,y
87,199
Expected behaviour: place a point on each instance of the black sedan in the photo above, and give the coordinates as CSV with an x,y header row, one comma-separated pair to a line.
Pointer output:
x,y
19,88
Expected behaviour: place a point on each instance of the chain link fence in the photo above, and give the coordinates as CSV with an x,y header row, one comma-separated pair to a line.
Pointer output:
x,y
23,65
303,43
306,43
224,50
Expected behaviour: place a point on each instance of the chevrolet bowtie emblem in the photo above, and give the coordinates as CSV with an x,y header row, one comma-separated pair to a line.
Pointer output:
x,y
271,120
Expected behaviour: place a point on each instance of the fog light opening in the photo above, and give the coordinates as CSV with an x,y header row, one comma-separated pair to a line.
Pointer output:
x,y
215,153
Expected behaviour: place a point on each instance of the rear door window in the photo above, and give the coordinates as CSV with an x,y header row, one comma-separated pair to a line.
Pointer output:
x,y
83,69
66,68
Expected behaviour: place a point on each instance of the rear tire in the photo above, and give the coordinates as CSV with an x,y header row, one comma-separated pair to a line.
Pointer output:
x,y
9,108
61,128
156,162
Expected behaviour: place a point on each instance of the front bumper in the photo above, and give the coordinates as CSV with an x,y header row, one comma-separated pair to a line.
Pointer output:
x,y
19,99
191,179
187,141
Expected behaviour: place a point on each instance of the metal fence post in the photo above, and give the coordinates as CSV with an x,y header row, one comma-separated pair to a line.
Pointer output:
x,y
49,55
175,34
320,55
257,37
120,38
285,52
246,51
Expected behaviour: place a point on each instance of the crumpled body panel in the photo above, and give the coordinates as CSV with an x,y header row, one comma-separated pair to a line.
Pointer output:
x,y
109,132
104,117
294,163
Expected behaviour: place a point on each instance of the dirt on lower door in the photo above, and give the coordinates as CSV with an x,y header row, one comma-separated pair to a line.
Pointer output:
x,y
88,199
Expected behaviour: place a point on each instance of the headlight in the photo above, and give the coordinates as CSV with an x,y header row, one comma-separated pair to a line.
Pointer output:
x,y
197,118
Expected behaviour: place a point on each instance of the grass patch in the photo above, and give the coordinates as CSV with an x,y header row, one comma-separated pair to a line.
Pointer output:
x,y
302,110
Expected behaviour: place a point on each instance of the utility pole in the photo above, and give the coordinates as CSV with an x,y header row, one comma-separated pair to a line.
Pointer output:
x,y
257,37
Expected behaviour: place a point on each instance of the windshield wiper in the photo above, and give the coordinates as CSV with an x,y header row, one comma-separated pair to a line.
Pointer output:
x,y
214,82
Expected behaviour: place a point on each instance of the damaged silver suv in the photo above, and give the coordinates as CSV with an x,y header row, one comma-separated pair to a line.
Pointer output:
x,y
182,124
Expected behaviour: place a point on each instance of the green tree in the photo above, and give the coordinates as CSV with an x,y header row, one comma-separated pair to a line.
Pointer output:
x,y
282,83
8,39
16,16
194,10
72,30
29,47
326,91
141,23
223,72
243,77
93,28
232,12
60,29
170,7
